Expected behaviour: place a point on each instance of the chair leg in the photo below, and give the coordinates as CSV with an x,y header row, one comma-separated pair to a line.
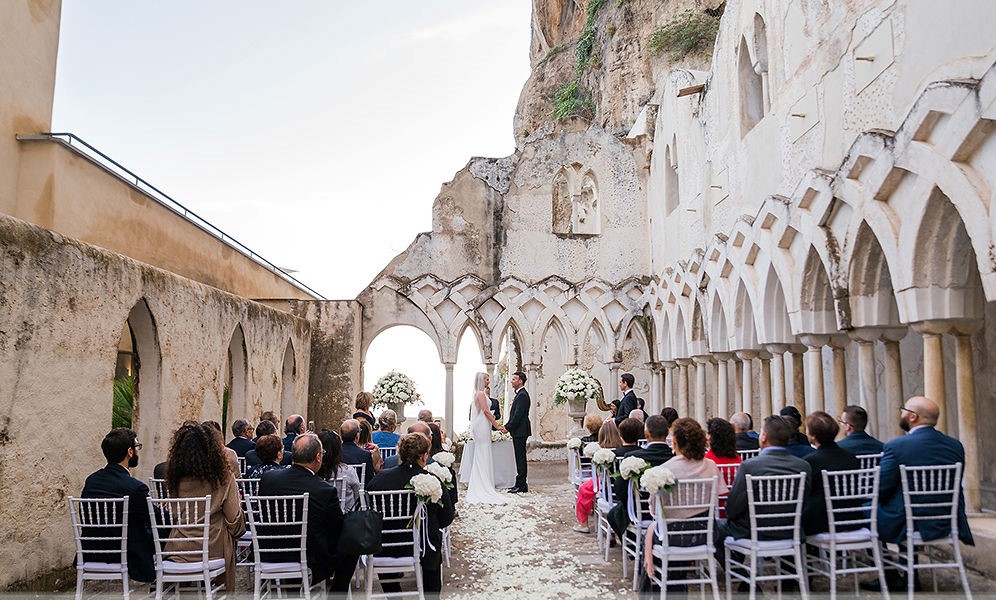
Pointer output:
x,y
726,570
637,560
877,557
371,573
800,569
961,569
712,575
753,576
419,583
910,568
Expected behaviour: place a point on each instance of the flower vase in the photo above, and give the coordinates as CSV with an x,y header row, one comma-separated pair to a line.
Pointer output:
x,y
398,407
576,411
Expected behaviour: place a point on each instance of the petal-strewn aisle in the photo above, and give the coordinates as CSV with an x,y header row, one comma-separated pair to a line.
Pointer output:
x,y
527,547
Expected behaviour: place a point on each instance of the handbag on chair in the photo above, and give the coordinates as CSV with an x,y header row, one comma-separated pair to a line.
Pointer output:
x,y
361,532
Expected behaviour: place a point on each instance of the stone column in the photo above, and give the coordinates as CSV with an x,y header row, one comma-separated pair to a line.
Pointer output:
x,y
867,383
967,426
724,365
714,370
933,366
764,408
747,400
668,373
614,378
838,343
532,372
653,402
732,400
814,372
798,377
777,375
889,427
738,385
700,388
448,411
683,403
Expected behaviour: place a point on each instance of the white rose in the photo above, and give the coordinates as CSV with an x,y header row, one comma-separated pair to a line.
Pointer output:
x,y
632,466
444,458
657,478
574,443
603,456
591,448
439,471
427,486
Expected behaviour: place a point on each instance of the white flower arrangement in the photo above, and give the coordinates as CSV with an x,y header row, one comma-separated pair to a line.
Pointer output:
x,y
444,458
497,436
603,456
465,437
632,467
575,384
657,478
574,443
396,388
591,448
427,487
447,445
441,472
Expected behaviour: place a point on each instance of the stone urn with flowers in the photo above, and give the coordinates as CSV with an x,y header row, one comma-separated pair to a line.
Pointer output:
x,y
576,388
394,391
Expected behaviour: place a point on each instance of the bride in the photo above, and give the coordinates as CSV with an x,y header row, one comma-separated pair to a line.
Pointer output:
x,y
481,489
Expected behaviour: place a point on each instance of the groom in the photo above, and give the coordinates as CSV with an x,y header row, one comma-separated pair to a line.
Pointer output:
x,y
518,427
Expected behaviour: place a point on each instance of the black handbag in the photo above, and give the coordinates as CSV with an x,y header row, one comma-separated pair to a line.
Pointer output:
x,y
361,532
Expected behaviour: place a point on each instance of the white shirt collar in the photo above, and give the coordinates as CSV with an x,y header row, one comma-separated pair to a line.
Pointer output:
x,y
912,429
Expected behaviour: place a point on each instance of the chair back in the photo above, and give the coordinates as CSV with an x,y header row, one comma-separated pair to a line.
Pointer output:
x,y
729,473
100,527
638,505
157,488
694,503
340,486
279,526
851,499
248,488
642,442
361,472
389,451
930,494
603,481
775,506
870,461
192,516
402,512
748,454
242,466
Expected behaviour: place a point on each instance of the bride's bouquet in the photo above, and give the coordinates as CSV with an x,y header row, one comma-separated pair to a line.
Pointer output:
x,y
441,472
575,384
396,388
427,488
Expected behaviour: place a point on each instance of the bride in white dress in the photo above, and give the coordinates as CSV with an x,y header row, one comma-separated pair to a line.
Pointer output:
x,y
481,489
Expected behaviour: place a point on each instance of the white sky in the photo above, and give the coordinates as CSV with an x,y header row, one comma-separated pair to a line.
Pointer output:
x,y
317,133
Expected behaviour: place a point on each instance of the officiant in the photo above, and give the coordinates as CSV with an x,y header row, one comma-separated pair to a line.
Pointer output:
x,y
495,407
627,403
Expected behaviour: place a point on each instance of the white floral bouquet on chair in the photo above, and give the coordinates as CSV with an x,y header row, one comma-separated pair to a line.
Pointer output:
x,y
444,458
658,478
590,449
396,388
603,456
632,467
575,384
574,443
427,487
441,472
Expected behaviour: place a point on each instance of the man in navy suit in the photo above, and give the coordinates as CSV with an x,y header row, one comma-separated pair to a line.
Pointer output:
x,y
854,421
627,403
519,428
114,481
353,454
242,442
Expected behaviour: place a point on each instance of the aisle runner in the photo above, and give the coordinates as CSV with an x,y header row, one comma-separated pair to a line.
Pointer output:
x,y
522,548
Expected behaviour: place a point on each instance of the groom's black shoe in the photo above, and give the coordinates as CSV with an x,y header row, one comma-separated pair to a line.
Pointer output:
x,y
518,490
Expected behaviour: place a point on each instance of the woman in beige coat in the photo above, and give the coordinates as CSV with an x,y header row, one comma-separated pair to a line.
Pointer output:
x,y
197,466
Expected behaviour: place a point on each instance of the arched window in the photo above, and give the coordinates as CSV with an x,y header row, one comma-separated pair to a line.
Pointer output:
x,y
136,377
287,381
671,199
753,76
234,399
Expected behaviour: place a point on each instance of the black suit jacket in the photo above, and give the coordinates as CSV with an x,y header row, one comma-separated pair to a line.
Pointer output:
x,y
496,411
241,445
860,443
627,404
354,455
324,516
114,481
439,517
828,457
518,417
746,442
656,453
773,461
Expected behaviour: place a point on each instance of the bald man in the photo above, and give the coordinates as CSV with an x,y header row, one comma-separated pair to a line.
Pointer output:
x,y
922,445
420,427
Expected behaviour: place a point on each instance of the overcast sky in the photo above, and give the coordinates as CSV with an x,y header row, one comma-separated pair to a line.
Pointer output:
x,y
317,133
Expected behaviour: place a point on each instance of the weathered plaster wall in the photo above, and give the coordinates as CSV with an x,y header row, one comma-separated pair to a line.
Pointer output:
x,y
63,304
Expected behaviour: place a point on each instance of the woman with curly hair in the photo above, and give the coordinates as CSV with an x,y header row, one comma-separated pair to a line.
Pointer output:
x,y
722,442
197,466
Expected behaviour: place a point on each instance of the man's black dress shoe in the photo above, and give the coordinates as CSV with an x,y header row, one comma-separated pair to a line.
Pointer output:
x,y
518,490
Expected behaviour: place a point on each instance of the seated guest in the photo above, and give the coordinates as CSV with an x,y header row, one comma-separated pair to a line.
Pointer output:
x,y
413,450
630,430
722,442
271,417
741,422
425,415
420,427
268,450
324,514
363,440
293,427
352,454
655,453
114,481
159,471
242,442
593,425
333,468
638,414
822,429
671,415
608,437
385,436
230,455
799,444
197,466
854,421
774,459
641,405
267,427
364,400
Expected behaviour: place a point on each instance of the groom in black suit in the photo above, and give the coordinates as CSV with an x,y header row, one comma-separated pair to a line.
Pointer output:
x,y
519,428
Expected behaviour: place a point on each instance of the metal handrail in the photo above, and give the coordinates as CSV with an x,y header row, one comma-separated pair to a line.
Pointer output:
x,y
165,200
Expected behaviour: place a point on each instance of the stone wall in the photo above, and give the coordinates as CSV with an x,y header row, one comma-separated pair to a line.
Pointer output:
x,y
63,304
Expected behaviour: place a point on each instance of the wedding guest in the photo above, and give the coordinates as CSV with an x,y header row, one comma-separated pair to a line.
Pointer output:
x,y
364,441
853,422
272,418
293,427
654,453
669,413
333,468
120,449
267,427
722,442
269,450
352,454
630,430
420,427
425,415
638,414
741,422
385,436
435,447
822,429
592,423
364,400
242,442
230,455
608,437
196,467
799,444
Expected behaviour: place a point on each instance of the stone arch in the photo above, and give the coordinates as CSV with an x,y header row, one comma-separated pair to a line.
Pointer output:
x,y
680,341
870,289
288,383
595,325
744,328
385,307
567,349
472,326
719,340
147,372
236,380
699,334
750,88
816,297
775,325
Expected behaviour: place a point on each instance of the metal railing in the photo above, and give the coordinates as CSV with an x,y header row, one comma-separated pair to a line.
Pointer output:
x,y
115,168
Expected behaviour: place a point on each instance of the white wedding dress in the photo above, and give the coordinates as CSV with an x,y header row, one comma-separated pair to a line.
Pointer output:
x,y
481,489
